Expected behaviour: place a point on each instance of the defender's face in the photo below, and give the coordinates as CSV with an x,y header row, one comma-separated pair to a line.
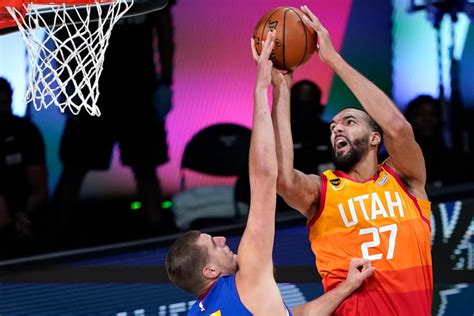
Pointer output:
x,y
219,253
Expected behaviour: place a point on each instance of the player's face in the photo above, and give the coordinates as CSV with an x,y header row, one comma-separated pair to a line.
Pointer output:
x,y
350,133
219,253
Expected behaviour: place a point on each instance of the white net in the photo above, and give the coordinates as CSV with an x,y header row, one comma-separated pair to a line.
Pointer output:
x,y
67,63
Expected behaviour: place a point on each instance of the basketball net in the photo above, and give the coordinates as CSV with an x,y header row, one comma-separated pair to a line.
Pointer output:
x,y
67,63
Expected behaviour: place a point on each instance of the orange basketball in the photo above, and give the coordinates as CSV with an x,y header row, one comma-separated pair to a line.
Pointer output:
x,y
295,43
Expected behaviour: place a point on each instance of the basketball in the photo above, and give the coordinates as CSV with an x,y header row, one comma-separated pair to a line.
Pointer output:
x,y
295,43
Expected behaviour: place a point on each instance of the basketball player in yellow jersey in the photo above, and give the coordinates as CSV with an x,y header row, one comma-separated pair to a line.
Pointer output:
x,y
363,209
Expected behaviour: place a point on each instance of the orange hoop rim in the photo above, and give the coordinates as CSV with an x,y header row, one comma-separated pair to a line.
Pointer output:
x,y
67,2
8,24
6,21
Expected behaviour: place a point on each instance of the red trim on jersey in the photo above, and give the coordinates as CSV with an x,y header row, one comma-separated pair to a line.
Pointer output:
x,y
411,196
322,201
348,177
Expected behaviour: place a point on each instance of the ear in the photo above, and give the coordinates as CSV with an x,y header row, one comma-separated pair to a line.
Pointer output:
x,y
375,138
210,271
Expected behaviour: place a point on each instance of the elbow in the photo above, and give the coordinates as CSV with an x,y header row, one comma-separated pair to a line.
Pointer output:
x,y
286,176
265,171
263,163
270,173
284,182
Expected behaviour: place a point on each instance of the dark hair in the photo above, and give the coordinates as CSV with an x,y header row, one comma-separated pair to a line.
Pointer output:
x,y
5,86
375,128
373,125
185,261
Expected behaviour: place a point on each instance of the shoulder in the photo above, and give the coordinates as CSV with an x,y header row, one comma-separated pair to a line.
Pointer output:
x,y
333,177
410,187
223,297
390,169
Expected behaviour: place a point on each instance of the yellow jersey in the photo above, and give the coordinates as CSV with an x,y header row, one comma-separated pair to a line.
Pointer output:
x,y
380,220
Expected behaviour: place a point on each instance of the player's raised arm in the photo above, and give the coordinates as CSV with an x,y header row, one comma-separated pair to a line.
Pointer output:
x,y
255,250
299,190
254,280
405,154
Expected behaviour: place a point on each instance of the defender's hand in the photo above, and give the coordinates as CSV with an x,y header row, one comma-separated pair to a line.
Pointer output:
x,y
264,64
359,270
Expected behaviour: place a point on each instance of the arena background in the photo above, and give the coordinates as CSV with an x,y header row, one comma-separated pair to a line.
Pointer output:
x,y
213,82
214,72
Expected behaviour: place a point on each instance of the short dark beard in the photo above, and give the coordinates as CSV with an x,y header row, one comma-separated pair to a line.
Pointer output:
x,y
359,148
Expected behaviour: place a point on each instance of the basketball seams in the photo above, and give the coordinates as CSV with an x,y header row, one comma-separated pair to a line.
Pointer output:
x,y
305,37
283,38
286,21
266,22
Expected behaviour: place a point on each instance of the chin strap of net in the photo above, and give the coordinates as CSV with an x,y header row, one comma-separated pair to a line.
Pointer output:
x,y
67,73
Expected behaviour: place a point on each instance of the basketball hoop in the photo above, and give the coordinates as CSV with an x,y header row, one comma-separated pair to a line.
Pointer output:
x,y
66,65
